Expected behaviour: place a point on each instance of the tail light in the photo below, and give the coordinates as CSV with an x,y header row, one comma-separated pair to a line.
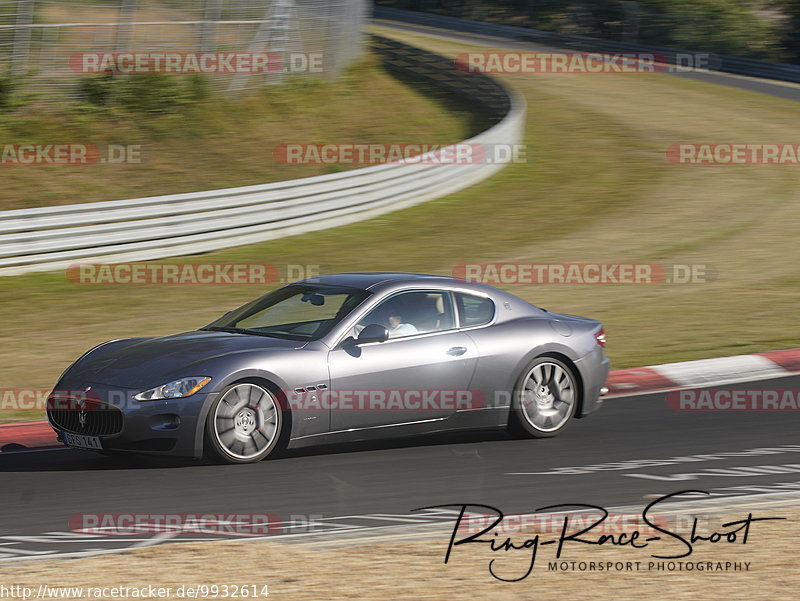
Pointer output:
x,y
600,336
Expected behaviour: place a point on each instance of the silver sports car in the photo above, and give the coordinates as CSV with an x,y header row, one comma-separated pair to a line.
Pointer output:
x,y
342,357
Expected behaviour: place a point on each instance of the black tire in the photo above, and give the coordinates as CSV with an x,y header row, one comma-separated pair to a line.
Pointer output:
x,y
247,406
536,413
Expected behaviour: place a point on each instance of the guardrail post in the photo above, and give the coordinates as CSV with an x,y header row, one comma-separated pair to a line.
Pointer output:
x,y
22,37
208,30
127,9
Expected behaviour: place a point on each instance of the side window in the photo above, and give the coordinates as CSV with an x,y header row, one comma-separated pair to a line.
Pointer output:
x,y
474,310
412,313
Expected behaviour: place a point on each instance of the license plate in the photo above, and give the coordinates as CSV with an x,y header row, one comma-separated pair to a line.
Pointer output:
x,y
81,442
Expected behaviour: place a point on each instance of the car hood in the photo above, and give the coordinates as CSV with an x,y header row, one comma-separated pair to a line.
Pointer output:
x,y
155,361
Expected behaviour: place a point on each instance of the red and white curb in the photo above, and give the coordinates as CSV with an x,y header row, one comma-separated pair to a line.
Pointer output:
x,y
620,383
705,372
26,437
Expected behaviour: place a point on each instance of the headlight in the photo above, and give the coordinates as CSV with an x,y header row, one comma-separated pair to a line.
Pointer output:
x,y
174,390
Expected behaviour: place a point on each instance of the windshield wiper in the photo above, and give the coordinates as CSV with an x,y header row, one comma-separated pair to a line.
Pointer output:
x,y
233,330
246,331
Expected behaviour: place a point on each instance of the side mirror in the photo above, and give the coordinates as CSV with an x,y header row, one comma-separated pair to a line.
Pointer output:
x,y
373,333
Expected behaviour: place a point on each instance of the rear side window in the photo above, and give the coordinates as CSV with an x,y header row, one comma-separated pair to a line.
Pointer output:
x,y
474,310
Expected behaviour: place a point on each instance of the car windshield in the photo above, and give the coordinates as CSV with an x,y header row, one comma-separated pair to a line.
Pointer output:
x,y
294,312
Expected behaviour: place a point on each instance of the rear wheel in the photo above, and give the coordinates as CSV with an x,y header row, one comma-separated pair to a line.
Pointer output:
x,y
545,399
245,424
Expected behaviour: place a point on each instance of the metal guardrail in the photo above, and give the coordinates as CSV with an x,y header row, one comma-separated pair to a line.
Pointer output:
x,y
713,62
50,238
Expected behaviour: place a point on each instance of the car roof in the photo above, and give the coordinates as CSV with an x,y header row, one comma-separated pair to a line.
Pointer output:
x,y
368,280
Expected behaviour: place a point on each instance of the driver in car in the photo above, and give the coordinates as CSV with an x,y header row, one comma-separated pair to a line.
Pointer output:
x,y
398,328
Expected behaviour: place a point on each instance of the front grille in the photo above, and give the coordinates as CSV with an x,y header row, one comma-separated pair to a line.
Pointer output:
x,y
92,418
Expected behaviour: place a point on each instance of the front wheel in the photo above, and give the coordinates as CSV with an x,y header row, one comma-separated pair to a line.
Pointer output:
x,y
545,399
244,424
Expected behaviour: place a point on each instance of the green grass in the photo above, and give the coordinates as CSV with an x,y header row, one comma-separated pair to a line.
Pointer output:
x,y
598,189
214,142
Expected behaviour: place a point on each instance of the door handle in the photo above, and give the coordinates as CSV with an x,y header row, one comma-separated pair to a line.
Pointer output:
x,y
457,350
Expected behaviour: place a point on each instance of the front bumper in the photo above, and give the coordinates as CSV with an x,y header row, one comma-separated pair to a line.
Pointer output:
x,y
166,427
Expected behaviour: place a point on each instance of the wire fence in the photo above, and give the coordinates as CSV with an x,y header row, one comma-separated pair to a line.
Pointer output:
x,y
49,45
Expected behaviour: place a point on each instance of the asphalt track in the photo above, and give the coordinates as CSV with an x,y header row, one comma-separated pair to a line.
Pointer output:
x,y
786,90
42,490
376,484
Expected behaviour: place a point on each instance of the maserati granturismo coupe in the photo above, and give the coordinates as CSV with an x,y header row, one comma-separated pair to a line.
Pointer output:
x,y
340,357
